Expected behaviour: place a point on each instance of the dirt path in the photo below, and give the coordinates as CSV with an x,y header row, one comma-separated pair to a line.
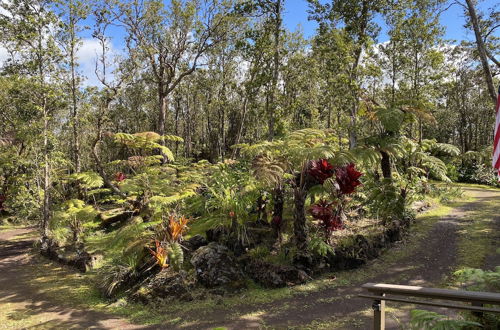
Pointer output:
x,y
23,307
428,264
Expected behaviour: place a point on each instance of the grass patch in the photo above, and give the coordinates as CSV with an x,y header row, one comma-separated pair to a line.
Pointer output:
x,y
477,233
7,226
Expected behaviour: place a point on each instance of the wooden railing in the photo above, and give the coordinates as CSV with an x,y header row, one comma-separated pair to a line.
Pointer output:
x,y
380,293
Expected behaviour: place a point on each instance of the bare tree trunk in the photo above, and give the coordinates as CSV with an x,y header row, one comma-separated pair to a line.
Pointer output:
x,y
242,123
300,223
163,107
46,173
176,127
75,117
276,67
162,115
481,49
353,135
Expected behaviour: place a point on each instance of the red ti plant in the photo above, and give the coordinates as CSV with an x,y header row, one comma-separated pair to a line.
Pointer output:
x,y
330,214
322,210
329,220
321,170
119,177
347,178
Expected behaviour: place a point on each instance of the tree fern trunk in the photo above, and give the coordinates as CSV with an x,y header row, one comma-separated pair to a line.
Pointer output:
x,y
278,201
385,163
300,224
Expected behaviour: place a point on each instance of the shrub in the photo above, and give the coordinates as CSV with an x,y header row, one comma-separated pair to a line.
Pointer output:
x,y
421,319
482,280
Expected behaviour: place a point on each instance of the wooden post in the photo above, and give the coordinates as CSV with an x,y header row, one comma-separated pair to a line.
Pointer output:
x,y
477,304
379,314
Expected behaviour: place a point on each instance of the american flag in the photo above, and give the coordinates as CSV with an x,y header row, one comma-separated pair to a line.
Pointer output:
x,y
496,139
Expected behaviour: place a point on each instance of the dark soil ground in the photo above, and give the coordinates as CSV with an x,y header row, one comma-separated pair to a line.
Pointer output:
x,y
429,263
19,301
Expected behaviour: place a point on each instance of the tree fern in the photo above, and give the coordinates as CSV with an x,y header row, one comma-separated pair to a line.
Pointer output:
x,y
147,141
422,319
88,180
268,169
390,118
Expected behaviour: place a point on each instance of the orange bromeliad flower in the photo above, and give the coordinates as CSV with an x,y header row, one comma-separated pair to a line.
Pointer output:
x,y
177,227
160,254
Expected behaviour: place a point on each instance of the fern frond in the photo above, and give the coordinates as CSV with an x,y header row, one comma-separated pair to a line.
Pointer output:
x,y
446,148
268,169
88,180
391,118
367,155
147,140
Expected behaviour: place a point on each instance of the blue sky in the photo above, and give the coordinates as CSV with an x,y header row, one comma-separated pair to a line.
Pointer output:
x,y
453,20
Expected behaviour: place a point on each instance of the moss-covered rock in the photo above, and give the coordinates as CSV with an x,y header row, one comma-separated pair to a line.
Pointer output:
x,y
272,275
216,266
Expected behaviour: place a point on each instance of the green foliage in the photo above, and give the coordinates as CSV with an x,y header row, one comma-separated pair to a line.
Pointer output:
x,y
318,247
114,278
88,180
75,216
473,172
231,189
421,319
480,280
147,141
298,147
391,118
259,252
175,256
421,155
385,200
445,193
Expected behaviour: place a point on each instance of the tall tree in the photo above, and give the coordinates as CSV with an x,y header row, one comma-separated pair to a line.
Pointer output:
x,y
482,51
270,32
72,13
28,29
357,19
169,42
423,55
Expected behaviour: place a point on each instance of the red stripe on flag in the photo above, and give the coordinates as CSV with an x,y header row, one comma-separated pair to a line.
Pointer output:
x,y
496,138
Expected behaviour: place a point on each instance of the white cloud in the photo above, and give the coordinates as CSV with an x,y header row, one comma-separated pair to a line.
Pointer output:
x,y
4,55
87,55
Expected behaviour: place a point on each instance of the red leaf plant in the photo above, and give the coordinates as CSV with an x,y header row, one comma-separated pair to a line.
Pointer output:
x,y
322,210
321,170
119,177
347,178
332,224
329,221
